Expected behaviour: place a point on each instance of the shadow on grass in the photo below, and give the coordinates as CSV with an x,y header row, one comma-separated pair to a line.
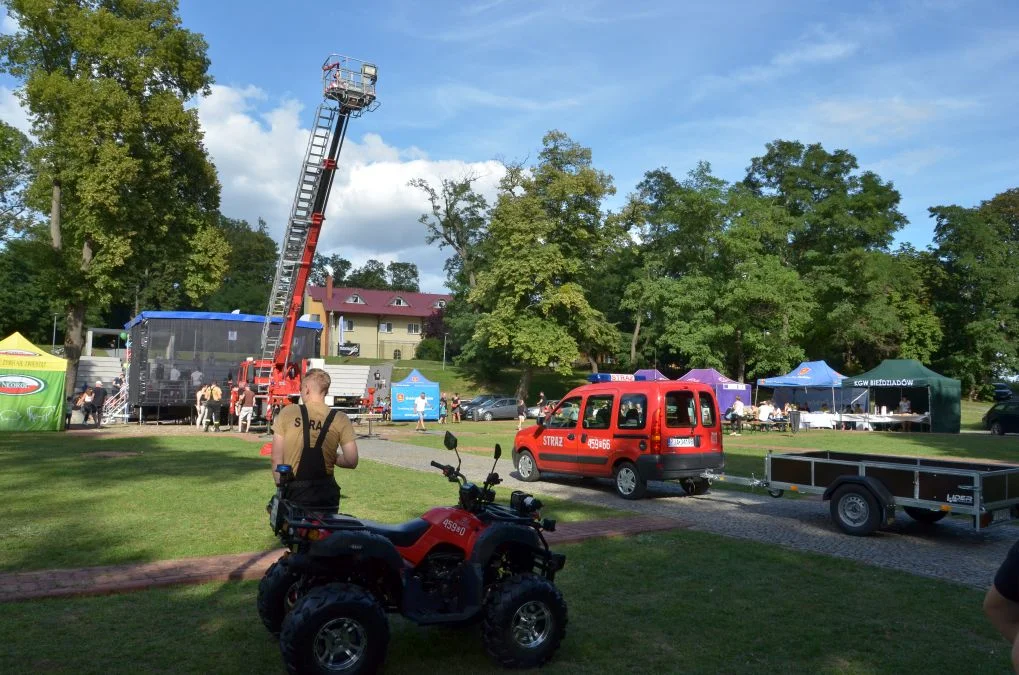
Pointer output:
x,y
66,507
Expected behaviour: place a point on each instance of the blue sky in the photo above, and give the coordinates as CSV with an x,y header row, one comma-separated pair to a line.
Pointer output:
x,y
924,92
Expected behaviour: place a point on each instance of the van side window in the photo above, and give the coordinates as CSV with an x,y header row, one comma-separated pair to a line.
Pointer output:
x,y
632,411
707,409
680,409
598,412
565,417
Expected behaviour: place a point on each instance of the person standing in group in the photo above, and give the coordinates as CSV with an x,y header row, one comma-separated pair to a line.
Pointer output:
x,y
541,402
247,403
213,406
737,417
234,410
442,409
98,401
201,397
420,405
521,414
313,439
454,407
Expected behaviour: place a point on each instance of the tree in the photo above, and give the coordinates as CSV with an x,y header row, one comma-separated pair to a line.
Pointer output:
x,y
978,291
533,309
372,275
120,164
15,174
457,220
250,271
324,266
403,276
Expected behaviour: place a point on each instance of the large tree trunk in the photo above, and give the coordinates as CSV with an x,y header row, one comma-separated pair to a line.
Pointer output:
x,y
593,362
525,382
741,359
74,341
55,235
633,340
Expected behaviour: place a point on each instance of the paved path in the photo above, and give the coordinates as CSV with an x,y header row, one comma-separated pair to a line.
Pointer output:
x,y
120,578
949,550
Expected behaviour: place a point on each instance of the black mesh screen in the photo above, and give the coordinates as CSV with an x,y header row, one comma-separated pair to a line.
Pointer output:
x,y
172,358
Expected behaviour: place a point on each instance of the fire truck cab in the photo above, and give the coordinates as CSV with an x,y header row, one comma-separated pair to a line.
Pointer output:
x,y
628,429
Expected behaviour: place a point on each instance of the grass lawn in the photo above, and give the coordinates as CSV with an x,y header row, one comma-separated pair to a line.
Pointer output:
x,y
670,602
179,496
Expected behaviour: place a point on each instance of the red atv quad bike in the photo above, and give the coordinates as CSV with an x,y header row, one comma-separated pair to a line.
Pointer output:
x,y
477,561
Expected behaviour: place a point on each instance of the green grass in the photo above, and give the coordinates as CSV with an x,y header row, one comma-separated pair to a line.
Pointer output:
x,y
182,496
658,603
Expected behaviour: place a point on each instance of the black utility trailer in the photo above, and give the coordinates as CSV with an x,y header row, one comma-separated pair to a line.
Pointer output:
x,y
864,490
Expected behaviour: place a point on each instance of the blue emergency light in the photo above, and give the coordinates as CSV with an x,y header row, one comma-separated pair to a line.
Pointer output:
x,y
615,377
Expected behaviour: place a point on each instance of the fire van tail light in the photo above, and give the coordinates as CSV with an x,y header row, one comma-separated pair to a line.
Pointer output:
x,y
656,432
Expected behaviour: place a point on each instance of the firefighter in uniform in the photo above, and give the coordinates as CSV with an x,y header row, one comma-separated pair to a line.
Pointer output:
x,y
313,439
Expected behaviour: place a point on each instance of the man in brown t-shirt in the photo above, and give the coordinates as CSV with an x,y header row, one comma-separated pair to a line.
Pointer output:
x,y
246,408
295,441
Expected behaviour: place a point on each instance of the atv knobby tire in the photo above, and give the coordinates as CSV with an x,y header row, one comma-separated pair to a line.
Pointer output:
x,y
524,621
335,628
277,594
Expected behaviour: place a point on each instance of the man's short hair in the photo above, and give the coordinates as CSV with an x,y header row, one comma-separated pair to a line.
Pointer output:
x,y
318,379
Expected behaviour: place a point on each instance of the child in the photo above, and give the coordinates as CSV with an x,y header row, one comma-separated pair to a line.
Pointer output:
x,y
442,411
521,413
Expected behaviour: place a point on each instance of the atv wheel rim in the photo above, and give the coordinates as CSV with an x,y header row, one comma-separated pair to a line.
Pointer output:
x,y
524,466
340,645
626,480
293,593
853,510
532,624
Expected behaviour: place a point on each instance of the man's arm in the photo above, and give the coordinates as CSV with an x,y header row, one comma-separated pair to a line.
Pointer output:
x,y
347,457
277,456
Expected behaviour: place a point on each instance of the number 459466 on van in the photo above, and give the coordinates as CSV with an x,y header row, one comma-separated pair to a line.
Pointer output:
x,y
628,429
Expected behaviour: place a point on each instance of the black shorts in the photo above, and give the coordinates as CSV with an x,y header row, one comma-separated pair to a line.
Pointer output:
x,y
1006,581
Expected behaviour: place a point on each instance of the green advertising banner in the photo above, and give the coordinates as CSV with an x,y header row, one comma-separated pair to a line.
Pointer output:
x,y
31,400
31,387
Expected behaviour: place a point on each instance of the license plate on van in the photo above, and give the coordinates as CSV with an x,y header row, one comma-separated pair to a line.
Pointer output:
x,y
682,442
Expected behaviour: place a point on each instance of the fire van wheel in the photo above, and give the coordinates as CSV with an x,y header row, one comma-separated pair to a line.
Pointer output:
x,y
629,483
339,628
695,486
526,468
277,594
924,515
855,511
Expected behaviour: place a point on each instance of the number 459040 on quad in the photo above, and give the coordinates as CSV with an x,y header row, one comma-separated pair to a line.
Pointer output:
x,y
477,561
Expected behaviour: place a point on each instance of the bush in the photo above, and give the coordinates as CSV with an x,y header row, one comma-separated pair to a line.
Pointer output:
x,y
429,349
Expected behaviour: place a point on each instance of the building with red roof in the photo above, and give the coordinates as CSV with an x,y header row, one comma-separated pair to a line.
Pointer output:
x,y
370,323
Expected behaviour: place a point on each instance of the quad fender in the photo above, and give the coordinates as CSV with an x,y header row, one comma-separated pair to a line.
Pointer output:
x,y
358,545
884,498
500,534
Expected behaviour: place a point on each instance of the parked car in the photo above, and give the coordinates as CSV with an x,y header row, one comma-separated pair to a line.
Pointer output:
x,y
1002,392
467,407
534,412
496,409
632,432
1002,418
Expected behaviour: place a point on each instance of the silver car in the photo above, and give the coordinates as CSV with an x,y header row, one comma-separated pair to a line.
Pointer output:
x,y
496,409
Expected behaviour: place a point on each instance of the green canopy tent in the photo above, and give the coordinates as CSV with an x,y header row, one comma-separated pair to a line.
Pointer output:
x,y
927,391
31,387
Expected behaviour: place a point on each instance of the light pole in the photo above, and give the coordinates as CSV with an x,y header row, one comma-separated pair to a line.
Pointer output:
x,y
53,347
444,336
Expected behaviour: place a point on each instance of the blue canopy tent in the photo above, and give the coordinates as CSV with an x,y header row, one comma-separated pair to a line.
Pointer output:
x,y
404,393
813,384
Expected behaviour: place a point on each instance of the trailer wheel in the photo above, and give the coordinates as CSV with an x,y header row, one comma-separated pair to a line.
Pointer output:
x,y
855,511
924,515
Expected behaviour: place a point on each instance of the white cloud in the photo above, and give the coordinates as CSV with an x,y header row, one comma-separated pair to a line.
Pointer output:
x,y
12,112
372,212
910,162
870,120
804,55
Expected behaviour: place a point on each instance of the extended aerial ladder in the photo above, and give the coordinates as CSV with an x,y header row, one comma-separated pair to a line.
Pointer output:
x,y
348,92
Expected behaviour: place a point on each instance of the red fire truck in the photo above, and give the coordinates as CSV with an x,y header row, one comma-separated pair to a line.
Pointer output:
x,y
348,91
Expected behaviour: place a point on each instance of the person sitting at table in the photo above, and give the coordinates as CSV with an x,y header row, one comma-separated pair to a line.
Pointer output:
x,y
857,409
824,407
764,412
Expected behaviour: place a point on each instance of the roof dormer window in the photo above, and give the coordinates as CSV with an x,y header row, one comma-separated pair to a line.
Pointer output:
x,y
355,299
399,302
440,304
